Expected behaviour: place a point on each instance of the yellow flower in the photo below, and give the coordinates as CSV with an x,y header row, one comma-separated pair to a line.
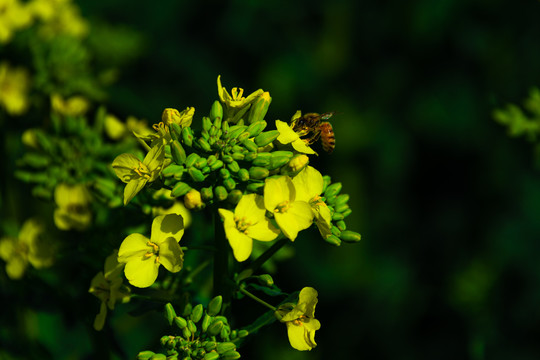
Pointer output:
x,y
309,185
291,214
300,320
59,17
73,211
288,136
143,256
236,101
14,15
183,119
72,106
114,128
29,247
138,127
137,173
14,87
177,207
247,222
107,286
193,200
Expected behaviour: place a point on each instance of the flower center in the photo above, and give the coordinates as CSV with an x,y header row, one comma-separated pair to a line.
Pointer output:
x,y
242,225
142,170
300,321
237,94
154,251
316,201
282,207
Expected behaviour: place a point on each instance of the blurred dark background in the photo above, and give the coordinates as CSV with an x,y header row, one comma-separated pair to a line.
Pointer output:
x,y
447,203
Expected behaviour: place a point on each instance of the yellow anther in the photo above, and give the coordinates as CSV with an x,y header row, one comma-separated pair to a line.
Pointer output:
x,y
282,207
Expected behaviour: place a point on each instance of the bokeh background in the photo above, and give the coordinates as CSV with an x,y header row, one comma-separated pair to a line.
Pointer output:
x,y
447,203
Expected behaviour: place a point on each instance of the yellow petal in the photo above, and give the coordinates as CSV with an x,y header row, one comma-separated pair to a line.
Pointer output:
x,y
99,321
251,207
297,218
133,246
276,191
142,271
286,134
241,244
297,337
308,184
132,188
301,146
171,255
123,166
166,226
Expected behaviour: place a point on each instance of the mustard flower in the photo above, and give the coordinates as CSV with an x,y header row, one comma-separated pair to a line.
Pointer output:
x,y
14,88
72,106
137,173
177,206
143,256
28,247
107,286
288,136
309,185
59,17
301,322
236,101
73,211
14,16
247,222
292,215
183,119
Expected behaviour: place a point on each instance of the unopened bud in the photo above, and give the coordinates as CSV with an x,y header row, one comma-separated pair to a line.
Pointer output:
x,y
180,322
178,153
266,137
214,306
298,162
234,196
193,200
258,173
145,355
215,328
196,174
333,240
332,190
350,236
180,189
259,107
256,127
170,314
170,116
216,111
220,193
243,175
225,346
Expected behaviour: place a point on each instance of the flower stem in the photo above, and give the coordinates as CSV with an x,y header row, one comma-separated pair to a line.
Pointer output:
x,y
222,282
255,265
260,301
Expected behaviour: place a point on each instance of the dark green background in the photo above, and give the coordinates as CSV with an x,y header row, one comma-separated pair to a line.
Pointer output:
x,y
447,204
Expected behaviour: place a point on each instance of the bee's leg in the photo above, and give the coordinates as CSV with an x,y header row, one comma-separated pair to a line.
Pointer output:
x,y
313,138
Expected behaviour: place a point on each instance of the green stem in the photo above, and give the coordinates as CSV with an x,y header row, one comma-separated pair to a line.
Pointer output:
x,y
255,265
201,247
260,301
222,282
189,279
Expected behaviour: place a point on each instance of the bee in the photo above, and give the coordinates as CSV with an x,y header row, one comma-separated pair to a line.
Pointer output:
x,y
315,126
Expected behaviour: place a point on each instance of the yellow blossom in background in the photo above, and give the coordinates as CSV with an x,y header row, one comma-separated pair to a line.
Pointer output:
x,y
72,106
143,256
14,88
247,222
136,173
288,136
14,15
300,320
138,126
177,207
107,286
114,128
292,215
73,207
27,248
59,17
309,185
193,200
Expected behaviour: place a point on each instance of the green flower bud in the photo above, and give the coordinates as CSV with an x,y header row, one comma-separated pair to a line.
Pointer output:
x,y
346,213
234,196
200,163
266,137
145,355
259,108
211,160
250,156
341,225
197,313
205,136
220,193
332,190
35,160
255,187
262,159
234,334
281,153
170,181
238,156
227,159
196,174
217,165
265,280
186,333
170,314
191,326
178,153
187,310
180,322
171,170
255,128
226,129
341,200
229,183
337,216
176,131
204,144
215,328
326,181
243,333
187,136
341,208
207,320
224,173
190,160
158,357
217,124
236,130
333,240
350,236
214,306
237,149
211,356
167,151
250,145
277,161
216,111
233,166
335,231
243,136
180,189
210,345
225,346
230,355
225,332
258,173
206,123
243,175
207,193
